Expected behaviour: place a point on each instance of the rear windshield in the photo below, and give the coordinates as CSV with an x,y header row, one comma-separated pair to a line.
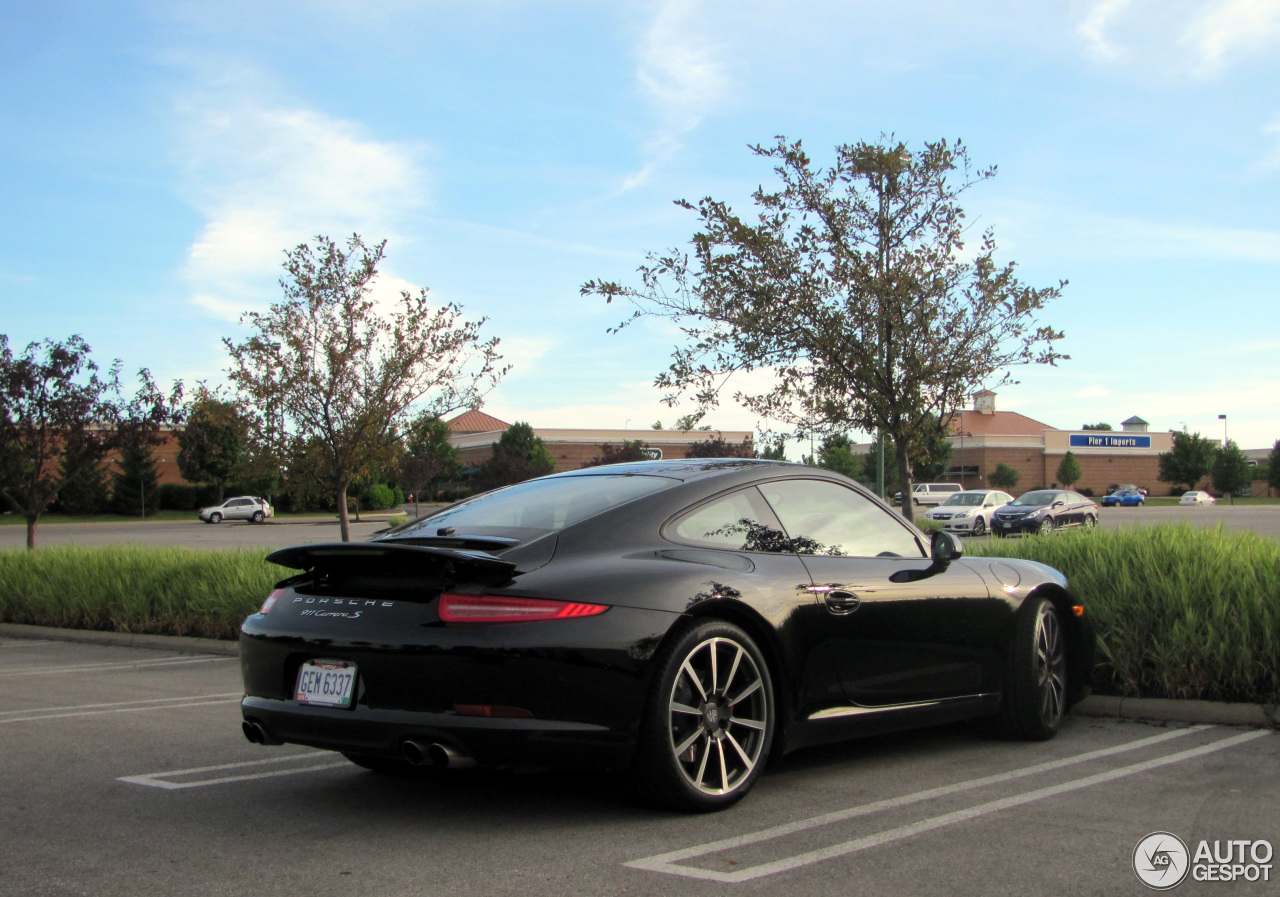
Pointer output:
x,y
543,505
966,498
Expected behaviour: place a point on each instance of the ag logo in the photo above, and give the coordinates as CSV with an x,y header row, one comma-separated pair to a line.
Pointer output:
x,y
1161,861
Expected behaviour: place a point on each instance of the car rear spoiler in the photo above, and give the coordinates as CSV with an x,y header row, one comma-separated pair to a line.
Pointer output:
x,y
339,554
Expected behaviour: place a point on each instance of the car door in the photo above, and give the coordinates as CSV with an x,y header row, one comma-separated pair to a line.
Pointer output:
x,y
757,565
895,636
239,509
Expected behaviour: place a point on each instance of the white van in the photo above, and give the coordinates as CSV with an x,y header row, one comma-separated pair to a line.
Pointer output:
x,y
929,493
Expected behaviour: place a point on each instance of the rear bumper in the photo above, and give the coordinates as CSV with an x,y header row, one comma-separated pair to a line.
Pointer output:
x,y
515,742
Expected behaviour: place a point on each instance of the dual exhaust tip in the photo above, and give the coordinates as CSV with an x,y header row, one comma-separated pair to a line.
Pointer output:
x,y
434,754
414,752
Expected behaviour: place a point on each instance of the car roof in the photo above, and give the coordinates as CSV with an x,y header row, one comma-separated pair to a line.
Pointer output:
x,y
684,469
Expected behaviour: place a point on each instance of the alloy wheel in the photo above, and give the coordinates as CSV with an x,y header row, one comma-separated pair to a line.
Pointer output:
x,y
1049,665
718,716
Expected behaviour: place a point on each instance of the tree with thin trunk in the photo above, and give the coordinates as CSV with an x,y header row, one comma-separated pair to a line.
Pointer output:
x,y
50,399
329,368
1231,474
853,286
1188,461
137,434
428,457
1069,470
213,445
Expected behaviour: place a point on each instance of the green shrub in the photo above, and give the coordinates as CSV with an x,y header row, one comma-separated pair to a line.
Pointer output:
x,y
1180,612
379,497
167,591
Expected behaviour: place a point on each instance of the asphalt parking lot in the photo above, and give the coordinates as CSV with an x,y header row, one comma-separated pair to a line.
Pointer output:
x,y
125,773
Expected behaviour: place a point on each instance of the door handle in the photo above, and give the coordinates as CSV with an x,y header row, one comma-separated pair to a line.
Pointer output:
x,y
839,601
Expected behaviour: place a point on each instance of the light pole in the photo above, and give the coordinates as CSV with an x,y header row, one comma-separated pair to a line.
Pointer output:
x,y
1223,418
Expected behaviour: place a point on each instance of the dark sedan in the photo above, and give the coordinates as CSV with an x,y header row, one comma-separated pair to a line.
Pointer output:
x,y
676,621
1044,511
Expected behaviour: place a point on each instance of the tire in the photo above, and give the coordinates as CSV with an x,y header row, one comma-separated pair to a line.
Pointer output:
x,y
1089,522
215,517
980,527
1141,503
1033,705
709,721
258,516
1046,527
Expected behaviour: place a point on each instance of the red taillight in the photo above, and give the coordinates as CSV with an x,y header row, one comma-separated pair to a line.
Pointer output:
x,y
502,609
492,711
271,600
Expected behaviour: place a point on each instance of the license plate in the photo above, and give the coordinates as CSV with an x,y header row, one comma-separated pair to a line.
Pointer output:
x,y
328,683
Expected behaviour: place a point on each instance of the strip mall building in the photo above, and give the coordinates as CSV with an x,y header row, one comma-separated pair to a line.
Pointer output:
x,y
985,438
475,432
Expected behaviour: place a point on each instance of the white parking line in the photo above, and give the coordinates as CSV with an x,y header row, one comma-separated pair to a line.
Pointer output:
x,y
27,643
317,760
41,713
95,667
669,862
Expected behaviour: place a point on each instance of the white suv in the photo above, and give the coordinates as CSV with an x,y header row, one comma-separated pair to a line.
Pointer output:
x,y
929,493
242,507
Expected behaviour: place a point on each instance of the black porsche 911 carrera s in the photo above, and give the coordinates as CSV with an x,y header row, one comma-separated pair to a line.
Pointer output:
x,y
680,621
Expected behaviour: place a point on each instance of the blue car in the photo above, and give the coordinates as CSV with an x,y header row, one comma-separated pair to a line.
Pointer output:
x,y
1128,498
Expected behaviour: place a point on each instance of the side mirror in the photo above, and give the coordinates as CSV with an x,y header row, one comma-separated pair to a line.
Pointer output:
x,y
945,548
1058,504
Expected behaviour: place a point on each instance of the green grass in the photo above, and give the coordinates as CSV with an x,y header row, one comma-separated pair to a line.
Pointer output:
x,y
165,591
1180,612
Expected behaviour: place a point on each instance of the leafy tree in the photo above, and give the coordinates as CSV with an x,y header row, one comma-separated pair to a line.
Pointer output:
x,y
134,484
1004,477
630,450
931,453
1096,427
852,286
1231,470
656,425
719,447
84,476
429,457
1189,461
835,452
50,396
518,455
1069,470
776,450
326,368
1273,466
213,447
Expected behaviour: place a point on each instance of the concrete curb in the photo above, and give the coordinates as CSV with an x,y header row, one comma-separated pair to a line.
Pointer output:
x,y
177,643
1159,709
1168,710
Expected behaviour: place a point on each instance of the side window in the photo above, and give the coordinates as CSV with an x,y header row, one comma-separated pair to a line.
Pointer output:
x,y
740,521
830,519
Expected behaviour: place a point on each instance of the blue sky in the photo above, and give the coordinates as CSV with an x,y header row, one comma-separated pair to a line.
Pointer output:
x,y
159,157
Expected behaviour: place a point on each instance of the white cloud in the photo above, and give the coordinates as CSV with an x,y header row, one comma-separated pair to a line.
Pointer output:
x,y
268,177
1093,392
680,74
1196,38
1226,32
1094,27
